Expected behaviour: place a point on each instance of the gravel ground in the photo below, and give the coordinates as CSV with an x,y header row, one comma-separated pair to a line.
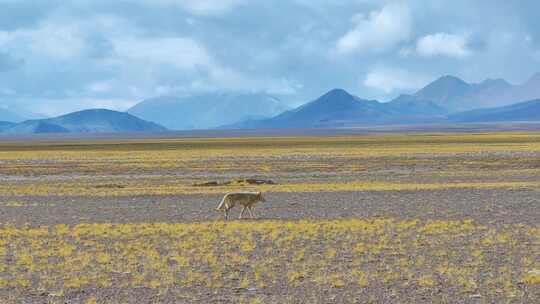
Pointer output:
x,y
503,161
500,206
485,207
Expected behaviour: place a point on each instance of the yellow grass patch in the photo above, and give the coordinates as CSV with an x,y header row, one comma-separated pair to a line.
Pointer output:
x,y
321,254
86,187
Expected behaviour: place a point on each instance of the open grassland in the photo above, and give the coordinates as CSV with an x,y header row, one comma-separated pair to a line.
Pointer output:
x,y
221,155
428,218
168,167
119,187
269,261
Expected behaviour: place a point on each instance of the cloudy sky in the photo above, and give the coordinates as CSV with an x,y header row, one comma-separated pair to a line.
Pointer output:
x,y
63,55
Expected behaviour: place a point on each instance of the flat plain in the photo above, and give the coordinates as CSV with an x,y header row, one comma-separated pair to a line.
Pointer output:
x,y
420,218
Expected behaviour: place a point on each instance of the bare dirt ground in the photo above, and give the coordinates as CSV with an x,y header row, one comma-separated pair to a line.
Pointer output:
x,y
488,207
438,218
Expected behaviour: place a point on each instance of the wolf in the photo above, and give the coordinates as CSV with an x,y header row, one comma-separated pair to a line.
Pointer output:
x,y
246,199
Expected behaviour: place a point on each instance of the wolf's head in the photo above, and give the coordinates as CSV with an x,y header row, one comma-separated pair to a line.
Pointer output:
x,y
261,197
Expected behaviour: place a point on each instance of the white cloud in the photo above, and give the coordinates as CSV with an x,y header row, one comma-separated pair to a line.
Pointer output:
x,y
199,7
443,44
98,49
101,87
201,70
379,30
406,51
536,55
49,40
283,86
226,79
182,53
63,38
388,80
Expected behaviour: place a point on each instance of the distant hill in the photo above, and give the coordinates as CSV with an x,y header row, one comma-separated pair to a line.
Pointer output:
x,y
6,125
445,100
333,108
414,106
338,108
523,111
456,95
205,111
87,121
530,90
445,90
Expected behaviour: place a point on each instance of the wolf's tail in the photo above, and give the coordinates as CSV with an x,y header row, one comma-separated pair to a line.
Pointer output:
x,y
222,202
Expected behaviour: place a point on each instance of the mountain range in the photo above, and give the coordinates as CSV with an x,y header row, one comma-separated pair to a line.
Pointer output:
x,y
457,95
86,121
338,108
446,100
523,111
206,111
352,112
4,125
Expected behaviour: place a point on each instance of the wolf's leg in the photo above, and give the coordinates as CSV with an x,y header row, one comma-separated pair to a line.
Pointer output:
x,y
226,212
251,212
242,212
